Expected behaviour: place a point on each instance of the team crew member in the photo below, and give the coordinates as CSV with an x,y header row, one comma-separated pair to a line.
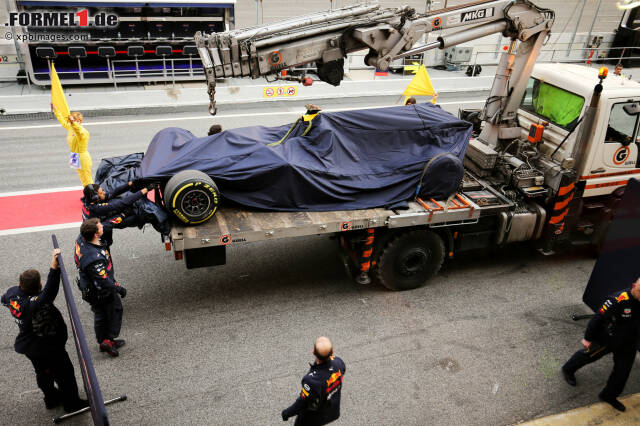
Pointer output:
x,y
43,335
98,285
319,400
618,70
411,101
113,212
614,328
78,141
214,130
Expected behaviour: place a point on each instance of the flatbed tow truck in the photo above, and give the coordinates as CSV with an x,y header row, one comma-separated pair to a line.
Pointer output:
x,y
556,148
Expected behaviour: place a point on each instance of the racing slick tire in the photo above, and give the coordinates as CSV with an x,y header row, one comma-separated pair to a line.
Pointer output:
x,y
409,260
191,196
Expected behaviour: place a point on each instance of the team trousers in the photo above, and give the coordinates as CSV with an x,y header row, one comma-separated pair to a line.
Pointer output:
x,y
107,318
623,357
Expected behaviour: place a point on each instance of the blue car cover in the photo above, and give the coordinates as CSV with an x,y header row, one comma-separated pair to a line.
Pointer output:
x,y
337,161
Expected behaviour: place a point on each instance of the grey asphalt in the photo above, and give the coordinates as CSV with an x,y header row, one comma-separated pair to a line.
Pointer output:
x,y
481,344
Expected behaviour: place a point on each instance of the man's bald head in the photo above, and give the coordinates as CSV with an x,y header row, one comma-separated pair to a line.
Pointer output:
x,y
323,348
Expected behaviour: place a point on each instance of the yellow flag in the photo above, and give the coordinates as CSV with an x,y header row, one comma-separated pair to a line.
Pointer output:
x,y
420,85
414,67
57,95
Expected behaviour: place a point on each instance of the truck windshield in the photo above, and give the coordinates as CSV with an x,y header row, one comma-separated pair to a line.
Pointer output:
x,y
552,103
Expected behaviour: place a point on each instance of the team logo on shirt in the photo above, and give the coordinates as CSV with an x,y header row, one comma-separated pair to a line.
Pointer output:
x,y
333,384
100,270
604,307
15,309
78,253
305,390
623,296
334,380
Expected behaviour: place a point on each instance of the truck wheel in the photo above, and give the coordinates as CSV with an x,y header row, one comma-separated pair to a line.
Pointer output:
x,y
191,196
409,260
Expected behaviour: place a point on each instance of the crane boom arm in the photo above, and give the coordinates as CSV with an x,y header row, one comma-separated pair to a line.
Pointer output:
x,y
389,33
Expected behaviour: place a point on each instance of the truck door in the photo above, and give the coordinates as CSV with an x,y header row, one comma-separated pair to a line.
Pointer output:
x,y
618,156
621,140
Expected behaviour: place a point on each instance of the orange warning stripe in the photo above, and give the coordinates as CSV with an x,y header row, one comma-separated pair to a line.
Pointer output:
x,y
626,172
367,251
564,190
562,204
559,218
602,185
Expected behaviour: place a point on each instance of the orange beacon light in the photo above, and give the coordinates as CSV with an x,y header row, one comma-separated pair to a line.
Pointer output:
x,y
603,72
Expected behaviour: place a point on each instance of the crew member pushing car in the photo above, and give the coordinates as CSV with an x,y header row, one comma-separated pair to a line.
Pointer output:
x,y
113,212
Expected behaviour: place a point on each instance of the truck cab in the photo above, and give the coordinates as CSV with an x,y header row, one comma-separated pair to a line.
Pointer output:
x,y
559,94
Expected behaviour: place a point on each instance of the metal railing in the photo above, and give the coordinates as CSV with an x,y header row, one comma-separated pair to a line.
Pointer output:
x,y
582,55
170,67
133,71
492,57
189,68
18,78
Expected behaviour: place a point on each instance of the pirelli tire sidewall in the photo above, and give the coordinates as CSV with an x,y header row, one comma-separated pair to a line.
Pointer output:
x,y
192,197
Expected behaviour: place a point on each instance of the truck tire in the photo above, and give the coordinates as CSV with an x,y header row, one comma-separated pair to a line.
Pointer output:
x,y
409,260
191,196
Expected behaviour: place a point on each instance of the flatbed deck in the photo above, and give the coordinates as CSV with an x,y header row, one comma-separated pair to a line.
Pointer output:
x,y
236,224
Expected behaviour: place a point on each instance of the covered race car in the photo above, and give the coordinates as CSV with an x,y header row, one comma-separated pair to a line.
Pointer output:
x,y
331,161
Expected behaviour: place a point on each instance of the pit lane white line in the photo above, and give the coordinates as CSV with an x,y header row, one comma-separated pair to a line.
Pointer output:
x,y
40,191
209,117
40,228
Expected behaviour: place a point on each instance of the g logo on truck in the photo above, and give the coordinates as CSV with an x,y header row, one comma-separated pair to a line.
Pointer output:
x,y
621,155
275,58
225,239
